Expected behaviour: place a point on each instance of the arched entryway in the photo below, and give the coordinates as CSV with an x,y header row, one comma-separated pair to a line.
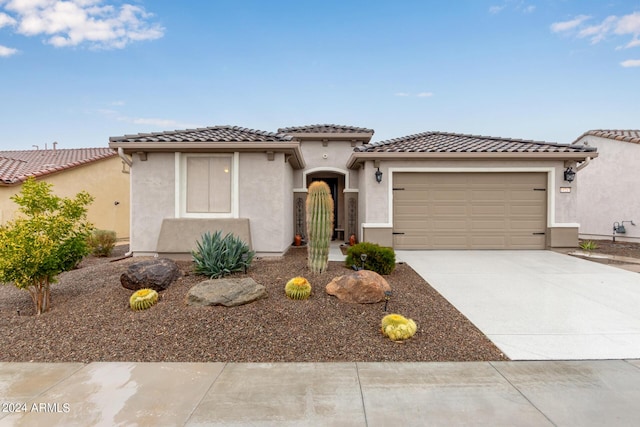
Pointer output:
x,y
345,203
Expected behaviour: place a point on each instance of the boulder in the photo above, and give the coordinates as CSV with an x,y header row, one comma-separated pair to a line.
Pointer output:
x,y
226,292
156,274
363,287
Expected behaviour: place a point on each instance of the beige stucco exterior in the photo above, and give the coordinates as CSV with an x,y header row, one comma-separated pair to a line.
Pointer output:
x,y
262,194
609,190
103,179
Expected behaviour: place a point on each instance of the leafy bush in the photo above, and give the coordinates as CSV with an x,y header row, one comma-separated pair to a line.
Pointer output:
x,y
102,242
380,259
588,245
49,237
219,256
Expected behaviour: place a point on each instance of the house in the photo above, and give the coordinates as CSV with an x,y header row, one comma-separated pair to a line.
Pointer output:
x,y
612,199
95,170
432,190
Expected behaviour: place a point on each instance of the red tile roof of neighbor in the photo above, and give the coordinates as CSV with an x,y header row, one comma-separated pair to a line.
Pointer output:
x,y
443,142
631,135
325,128
17,166
208,134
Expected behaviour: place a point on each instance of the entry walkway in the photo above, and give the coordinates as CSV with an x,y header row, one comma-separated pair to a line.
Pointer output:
x,y
539,305
593,393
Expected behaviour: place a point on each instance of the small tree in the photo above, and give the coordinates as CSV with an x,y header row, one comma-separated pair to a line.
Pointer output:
x,y
49,237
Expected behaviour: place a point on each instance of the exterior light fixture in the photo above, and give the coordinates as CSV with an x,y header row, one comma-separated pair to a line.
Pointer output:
x,y
245,258
363,258
387,297
569,174
378,176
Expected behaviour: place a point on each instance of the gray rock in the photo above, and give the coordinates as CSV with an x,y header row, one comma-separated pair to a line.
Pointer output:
x,y
155,274
226,292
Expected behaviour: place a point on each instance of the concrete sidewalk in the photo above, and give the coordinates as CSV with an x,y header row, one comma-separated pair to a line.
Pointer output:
x,y
584,393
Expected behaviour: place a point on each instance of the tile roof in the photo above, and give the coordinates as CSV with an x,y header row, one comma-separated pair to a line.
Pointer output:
x,y
325,128
208,134
16,166
443,142
630,135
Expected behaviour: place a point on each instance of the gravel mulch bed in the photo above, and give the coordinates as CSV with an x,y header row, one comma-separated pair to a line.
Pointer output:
x,y
90,320
627,249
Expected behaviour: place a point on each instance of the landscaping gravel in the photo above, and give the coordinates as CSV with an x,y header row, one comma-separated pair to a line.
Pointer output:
x,y
90,320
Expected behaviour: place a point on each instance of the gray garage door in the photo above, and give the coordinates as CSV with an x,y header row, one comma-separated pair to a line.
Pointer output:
x,y
469,210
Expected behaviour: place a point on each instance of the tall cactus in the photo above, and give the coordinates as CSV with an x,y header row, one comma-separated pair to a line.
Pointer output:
x,y
319,225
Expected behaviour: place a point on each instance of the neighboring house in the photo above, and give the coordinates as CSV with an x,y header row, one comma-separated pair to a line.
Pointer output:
x,y
609,193
427,191
99,171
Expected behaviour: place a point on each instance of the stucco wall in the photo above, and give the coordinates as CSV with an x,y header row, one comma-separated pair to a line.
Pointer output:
x,y
153,191
102,179
266,198
376,204
333,157
609,190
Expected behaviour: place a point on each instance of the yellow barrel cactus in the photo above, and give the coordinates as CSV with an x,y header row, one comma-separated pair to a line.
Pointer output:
x,y
298,288
398,327
143,299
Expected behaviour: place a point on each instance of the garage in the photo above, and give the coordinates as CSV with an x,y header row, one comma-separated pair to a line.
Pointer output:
x,y
469,210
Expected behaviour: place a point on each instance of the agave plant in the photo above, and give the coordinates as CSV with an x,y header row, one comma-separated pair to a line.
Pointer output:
x,y
298,288
143,299
398,327
218,256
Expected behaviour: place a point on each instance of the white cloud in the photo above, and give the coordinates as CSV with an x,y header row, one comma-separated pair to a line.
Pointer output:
x,y
558,27
631,63
401,94
425,95
629,24
7,51
599,32
76,22
118,103
6,20
529,9
495,9
633,43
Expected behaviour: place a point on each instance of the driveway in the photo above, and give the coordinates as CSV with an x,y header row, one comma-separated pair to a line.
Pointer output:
x,y
539,305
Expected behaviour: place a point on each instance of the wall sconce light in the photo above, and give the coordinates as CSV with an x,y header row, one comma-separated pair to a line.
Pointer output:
x,y
569,174
378,176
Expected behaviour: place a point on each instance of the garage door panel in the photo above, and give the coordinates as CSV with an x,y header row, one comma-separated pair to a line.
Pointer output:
x,y
470,210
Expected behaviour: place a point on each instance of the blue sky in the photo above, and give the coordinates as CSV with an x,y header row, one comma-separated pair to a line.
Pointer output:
x,y
79,71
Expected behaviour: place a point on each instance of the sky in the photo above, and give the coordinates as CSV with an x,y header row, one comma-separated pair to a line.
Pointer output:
x,y
79,71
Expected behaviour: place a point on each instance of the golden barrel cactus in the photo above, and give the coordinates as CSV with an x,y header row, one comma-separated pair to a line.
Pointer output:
x,y
143,299
298,288
398,327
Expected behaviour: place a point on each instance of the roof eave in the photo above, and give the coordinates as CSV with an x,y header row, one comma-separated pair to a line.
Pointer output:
x,y
357,158
291,148
332,136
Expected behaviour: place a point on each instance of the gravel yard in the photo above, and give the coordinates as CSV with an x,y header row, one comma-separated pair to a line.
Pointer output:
x,y
90,320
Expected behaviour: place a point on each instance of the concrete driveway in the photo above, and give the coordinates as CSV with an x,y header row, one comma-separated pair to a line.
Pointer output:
x,y
539,305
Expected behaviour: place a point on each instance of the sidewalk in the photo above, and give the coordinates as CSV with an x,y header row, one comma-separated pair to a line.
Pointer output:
x,y
584,393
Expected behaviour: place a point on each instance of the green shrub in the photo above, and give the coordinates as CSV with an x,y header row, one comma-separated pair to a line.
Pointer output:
x,y
588,245
219,256
102,242
48,237
380,259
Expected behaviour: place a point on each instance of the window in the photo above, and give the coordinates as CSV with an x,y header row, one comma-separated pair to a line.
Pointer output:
x,y
208,183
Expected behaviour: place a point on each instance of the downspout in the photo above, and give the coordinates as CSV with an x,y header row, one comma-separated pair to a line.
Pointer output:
x,y
583,164
124,157
128,162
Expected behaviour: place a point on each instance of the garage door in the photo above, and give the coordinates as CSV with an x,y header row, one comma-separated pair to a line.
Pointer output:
x,y
469,210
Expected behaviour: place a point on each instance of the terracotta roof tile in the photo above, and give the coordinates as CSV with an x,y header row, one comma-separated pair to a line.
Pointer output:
x,y
16,166
325,128
631,135
443,142
208,134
